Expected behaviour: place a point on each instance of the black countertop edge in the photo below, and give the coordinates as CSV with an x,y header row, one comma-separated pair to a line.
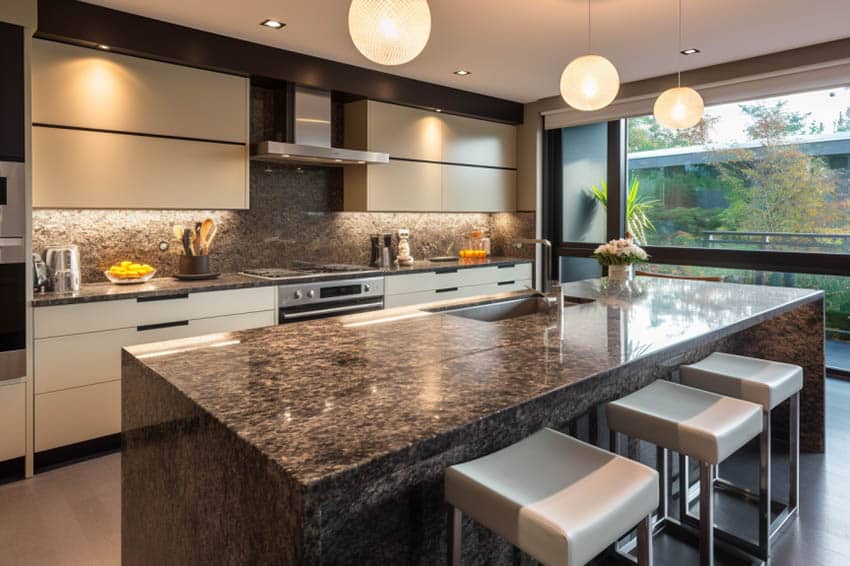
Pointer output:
x,y
166,286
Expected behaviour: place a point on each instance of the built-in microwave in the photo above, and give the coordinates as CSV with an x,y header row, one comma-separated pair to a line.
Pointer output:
x,y
13,272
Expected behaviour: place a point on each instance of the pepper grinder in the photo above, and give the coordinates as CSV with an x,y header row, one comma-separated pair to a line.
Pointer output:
x,y
404,257
388,257
375,259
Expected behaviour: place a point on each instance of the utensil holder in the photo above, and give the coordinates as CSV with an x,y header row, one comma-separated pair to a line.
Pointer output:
x,y
194,264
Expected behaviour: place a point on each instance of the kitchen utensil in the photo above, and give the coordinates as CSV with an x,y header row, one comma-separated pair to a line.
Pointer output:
x,y
40,279
211,236
187,242
63,267
206,227
123,281
177,229
443,259
196,276
388,244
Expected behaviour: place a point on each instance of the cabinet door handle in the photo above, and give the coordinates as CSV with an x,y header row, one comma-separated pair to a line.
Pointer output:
x,y
165,298
508,266
445,271
145,327
446,290
506,283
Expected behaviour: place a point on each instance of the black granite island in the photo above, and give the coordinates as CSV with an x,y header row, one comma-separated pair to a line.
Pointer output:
x,y
326,442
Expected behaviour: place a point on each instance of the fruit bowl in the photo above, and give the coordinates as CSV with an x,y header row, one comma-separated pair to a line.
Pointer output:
x,y
124,280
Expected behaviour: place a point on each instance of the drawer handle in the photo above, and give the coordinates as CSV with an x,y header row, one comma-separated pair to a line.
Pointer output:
x,y
506,283
506,266
162,325
165,298
445,271
446,290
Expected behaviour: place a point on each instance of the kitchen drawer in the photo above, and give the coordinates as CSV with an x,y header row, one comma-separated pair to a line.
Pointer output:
x,y
463,277
63,320
13,417
75,415
63,362
424,297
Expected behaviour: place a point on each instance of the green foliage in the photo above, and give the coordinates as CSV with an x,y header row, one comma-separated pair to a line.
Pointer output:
x,y
843,122
645,134
637,209
772,122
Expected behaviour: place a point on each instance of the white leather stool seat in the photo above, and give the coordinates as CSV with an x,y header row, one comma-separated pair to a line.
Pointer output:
x,y
560,500
690,421
758,381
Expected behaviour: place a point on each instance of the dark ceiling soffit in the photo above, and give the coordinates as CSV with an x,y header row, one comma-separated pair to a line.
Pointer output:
x,y
77,22
816,54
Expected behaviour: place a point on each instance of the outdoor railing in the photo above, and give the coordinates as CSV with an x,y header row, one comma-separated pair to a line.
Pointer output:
x,y
803,241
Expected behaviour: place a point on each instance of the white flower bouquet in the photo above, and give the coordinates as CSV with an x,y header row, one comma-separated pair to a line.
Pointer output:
x,y
620,252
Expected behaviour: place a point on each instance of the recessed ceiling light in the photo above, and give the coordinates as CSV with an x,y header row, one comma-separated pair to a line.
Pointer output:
x,y
463,72
274,24
104,47
689,51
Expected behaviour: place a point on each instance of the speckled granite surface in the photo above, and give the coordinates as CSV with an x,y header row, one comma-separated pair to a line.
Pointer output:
x,y
165,286
356,420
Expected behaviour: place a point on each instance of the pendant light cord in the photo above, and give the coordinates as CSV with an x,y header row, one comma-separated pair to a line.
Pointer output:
x,y
679,50
588,27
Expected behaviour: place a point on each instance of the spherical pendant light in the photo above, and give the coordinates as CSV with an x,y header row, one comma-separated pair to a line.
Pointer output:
x,y
389,32
589,82
679,108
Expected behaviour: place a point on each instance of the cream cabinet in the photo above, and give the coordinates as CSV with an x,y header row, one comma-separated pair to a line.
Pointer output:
x,y
77,352
13,415
478,142
475,161
478,189
398,186
115,131
443,285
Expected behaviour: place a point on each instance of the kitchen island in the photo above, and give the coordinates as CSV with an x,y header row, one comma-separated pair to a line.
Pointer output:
x,y
326,442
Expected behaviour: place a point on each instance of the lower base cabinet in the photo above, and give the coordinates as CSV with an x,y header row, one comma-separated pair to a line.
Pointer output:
x,y
432,286
13,419
78,374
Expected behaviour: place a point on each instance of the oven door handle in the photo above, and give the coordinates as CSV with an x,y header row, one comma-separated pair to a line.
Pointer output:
x,y
332,310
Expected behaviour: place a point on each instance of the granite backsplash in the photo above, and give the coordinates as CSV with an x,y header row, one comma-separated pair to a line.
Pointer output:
x,y
294,215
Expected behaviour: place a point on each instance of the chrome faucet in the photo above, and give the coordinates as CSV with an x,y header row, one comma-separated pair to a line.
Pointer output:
x,y
547,259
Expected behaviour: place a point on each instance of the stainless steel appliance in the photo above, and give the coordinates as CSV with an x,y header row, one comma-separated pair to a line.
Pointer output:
x,y
63,267
309,134
13,294
310,291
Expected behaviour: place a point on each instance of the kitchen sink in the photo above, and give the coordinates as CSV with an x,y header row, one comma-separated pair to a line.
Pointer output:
x,y
512,308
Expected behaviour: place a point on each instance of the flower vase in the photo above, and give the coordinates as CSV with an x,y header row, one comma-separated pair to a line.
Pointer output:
x,y
621,272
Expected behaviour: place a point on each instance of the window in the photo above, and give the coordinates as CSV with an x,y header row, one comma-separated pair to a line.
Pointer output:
x,y
770,175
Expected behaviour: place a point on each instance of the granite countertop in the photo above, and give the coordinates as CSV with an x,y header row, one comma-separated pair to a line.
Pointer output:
x,y
165,286
336,399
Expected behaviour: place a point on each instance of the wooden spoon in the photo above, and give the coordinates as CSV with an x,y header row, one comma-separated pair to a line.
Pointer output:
x,y
213,232
204,236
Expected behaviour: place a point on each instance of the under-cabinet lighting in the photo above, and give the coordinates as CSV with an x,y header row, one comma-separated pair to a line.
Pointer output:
x,y
102,46
689,51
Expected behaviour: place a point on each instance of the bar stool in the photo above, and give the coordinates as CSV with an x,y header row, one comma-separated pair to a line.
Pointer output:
x,y
556,498
699,424
768,384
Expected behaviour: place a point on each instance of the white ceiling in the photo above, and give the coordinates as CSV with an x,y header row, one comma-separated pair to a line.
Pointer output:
x,y
516,49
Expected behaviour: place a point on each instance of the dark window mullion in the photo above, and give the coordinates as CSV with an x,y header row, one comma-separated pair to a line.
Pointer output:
x,y
616,179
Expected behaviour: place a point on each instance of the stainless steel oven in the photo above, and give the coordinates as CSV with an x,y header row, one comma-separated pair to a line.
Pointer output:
x,y
13,266
322,299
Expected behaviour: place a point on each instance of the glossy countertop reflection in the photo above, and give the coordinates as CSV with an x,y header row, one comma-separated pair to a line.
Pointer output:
x,y
325,397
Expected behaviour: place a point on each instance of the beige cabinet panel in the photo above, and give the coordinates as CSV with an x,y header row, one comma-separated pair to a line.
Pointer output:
x,y
399,186
409,133
77,86
64,362
478,142
478,189
75,415
84,169
13,418
62,320
448,294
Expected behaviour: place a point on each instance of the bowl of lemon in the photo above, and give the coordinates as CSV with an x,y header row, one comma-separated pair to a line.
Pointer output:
x,y
129,272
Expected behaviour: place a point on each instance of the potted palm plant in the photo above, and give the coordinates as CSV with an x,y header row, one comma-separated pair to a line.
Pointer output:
x,y
637,209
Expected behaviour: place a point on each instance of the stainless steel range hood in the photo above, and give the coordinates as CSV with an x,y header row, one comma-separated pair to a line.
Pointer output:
x,y
311,112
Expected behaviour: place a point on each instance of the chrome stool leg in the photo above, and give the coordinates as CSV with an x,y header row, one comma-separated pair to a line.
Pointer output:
x,y
794,453
644,542
706,514
765,494
454,520
684,487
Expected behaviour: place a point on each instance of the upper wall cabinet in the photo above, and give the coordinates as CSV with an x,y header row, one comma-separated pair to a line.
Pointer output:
x,y
12,97
471,163
114,131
